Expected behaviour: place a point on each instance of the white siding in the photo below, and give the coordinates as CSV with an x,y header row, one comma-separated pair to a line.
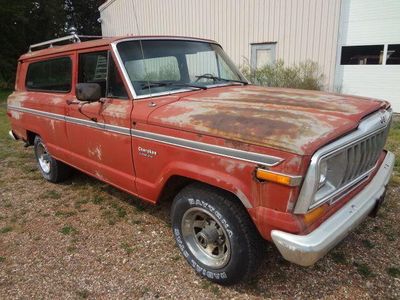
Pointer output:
x,y
303,29
370,22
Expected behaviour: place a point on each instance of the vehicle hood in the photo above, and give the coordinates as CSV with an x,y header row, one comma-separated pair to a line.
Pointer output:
x,y
297,121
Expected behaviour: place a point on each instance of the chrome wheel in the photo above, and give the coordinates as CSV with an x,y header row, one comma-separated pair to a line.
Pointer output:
x,y
43,158
206,238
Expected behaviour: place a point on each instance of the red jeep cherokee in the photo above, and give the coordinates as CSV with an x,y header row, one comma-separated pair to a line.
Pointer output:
x,y
171,117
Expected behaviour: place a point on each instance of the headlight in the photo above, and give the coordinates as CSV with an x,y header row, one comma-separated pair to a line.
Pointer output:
x,y
323,170
331,173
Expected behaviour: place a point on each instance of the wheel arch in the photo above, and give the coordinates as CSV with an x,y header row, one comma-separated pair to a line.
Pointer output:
x,y
177,181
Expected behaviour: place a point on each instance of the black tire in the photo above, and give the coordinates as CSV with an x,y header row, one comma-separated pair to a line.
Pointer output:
x,y
50,168
229,220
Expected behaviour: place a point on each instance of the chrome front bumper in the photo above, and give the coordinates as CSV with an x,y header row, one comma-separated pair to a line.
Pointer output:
x,y
305,250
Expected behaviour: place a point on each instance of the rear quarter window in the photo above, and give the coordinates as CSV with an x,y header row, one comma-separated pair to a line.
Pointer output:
x,y
53,75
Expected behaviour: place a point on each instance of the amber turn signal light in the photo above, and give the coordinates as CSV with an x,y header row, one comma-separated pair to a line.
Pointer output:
x,y
284,179
315,214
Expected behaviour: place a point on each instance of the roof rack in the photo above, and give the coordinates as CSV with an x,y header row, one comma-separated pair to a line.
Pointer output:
x,y
73,38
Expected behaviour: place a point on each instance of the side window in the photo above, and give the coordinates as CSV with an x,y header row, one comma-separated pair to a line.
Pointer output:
x,y
116,88
50,75
92,68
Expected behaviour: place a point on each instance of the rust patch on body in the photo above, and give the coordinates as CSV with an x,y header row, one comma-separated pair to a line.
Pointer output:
x,y
292,120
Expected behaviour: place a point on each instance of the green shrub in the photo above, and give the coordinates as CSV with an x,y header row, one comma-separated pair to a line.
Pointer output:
x,y
305,75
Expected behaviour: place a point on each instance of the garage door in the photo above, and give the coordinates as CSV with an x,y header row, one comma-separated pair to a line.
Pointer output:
x,y
369,50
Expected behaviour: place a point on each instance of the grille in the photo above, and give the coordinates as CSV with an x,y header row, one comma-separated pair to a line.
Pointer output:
x,y
362,157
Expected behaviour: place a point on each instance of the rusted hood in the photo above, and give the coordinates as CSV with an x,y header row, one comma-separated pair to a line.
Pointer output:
x,y
296,121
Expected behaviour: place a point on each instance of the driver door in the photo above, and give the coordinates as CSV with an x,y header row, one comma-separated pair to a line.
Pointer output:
x,y
99,132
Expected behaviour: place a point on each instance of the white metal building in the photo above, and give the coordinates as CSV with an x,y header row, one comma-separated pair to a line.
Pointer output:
x,y
355,42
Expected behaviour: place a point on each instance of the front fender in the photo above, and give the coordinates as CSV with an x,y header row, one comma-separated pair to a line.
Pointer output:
x,y
210,176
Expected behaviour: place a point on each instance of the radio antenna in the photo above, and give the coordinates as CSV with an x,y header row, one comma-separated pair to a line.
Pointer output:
x,y
141,45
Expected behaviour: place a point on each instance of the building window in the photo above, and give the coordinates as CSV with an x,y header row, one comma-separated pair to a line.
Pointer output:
x,y
362,55
262,55
50,75
393,54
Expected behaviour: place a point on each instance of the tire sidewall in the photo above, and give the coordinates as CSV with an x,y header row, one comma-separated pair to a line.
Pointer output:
x,y
233,270
51,175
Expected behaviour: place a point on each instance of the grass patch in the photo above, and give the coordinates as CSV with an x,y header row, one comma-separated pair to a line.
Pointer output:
x,y
79,203
211,287
394,272
97,199
136,221
364,270
71,248
2,258
176,257
65,214
121,212
51,194
109,216
6,229
338,257
393,144
68,230
83,294
128,249
368,244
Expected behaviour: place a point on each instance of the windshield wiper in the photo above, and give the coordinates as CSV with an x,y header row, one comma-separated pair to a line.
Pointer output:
x,y
151,84
216,78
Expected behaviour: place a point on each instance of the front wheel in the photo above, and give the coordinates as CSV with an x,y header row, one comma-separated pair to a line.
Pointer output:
x,y
215,234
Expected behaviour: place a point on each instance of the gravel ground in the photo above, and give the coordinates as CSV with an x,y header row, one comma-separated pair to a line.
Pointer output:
x,y
85,239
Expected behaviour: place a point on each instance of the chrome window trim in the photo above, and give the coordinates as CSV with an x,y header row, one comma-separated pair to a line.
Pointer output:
x,y
253,157
367,127
129,82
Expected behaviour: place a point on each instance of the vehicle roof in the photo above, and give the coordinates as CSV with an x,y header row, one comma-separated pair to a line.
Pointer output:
x,y
98,43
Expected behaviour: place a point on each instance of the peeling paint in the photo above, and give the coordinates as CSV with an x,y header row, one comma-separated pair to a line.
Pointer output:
x,y
52,125
116,110
16,115
292,120
98,175
231,165
96,152
17,98
57,100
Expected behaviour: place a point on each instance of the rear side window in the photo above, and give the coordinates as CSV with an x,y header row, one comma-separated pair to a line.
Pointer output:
x,y
53,75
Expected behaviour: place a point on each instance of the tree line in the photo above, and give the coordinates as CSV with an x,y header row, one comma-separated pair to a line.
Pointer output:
x,y
26,22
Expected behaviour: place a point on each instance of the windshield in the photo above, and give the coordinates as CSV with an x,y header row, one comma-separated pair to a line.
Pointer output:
x,y
159,66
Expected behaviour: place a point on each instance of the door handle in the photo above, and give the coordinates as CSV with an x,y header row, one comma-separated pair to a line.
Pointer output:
x,y
151,104
72,101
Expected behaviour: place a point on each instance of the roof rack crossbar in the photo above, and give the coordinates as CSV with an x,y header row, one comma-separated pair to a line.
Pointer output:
x,y
74,38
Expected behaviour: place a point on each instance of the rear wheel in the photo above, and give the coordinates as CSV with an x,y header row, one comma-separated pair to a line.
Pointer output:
x,y
215,234
51,169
